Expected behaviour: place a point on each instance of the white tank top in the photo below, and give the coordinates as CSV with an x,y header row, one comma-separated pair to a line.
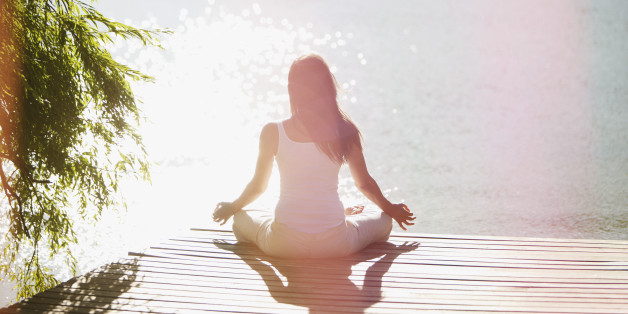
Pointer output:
x,y
308,199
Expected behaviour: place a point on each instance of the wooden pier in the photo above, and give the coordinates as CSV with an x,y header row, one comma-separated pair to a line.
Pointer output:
x,y
206,271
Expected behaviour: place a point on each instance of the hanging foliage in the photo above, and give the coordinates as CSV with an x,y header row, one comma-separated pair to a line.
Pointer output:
x,y
66,107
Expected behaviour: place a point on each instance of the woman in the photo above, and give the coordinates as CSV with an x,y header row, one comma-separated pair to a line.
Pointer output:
x,y
310,220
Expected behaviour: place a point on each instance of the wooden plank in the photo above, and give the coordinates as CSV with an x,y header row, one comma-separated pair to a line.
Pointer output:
x,y
340,288
452,245
446,243
419,255
212,267
146,277
457,237
447,285
57,302
414,295
224,271
195,277
353,304
622,243
460,246
308,299
448,267
392,293
398,277
404,237
425,251
366,254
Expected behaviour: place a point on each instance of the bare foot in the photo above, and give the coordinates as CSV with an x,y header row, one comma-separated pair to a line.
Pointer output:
x,y
354,210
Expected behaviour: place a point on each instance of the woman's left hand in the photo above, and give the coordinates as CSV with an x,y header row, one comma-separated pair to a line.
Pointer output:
x,y
224,211
401,214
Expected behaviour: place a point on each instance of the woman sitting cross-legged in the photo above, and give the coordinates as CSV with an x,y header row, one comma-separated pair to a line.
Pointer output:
x,y
310,221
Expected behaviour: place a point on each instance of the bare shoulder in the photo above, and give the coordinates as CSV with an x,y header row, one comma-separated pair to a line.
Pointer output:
x,y
270,130
269,138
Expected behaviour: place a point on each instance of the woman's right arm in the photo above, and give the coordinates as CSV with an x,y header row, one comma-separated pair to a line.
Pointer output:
x,y
267,149
367,185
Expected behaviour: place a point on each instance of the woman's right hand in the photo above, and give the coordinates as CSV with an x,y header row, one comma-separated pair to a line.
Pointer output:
x,y
224,211
401,214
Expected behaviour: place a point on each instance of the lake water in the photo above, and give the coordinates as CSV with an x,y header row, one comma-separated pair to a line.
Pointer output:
x,y
485,117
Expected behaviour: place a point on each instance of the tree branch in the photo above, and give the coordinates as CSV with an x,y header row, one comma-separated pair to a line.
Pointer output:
x,y
10,193
17,164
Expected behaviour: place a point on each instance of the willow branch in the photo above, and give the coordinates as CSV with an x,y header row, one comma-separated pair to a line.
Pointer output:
x,y
18,163
10,193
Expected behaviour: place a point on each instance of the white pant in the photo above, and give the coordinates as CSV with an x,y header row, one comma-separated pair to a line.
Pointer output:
x,y
277,239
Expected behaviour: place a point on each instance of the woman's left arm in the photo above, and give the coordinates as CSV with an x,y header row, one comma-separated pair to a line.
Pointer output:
x,y
267,149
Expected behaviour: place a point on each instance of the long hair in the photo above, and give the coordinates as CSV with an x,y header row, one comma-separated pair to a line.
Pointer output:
x,y
313,94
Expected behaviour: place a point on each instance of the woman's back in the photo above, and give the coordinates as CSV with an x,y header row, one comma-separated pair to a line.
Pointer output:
x,y
308,200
